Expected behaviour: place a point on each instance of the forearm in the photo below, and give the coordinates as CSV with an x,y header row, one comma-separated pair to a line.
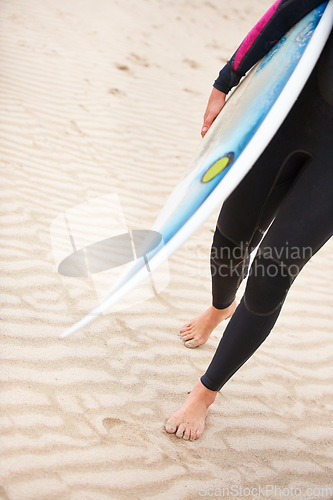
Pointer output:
x,y
266,33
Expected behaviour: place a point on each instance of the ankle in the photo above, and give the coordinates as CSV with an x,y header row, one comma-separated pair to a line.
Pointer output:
x,y
223,312
222,309
205,395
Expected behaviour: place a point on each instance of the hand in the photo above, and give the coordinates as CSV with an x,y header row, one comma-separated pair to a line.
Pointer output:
x,y
215,104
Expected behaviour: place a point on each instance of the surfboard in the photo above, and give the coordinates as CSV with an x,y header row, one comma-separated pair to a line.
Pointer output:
x,y
241,132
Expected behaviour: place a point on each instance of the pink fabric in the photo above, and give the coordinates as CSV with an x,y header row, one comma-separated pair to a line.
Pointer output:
x,y
250,38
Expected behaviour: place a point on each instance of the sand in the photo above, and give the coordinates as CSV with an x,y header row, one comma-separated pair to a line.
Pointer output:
x,y
105,99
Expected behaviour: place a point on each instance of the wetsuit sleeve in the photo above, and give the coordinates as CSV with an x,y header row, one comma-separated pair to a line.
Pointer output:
x,y
266,33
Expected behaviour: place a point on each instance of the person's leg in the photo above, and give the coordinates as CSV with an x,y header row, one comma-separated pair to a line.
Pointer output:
x,y
303,224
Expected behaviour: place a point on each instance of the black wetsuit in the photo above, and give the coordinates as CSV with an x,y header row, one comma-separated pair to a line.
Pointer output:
x,y
289,190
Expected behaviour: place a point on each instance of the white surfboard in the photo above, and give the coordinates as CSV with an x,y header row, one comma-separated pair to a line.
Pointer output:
x,y
247,123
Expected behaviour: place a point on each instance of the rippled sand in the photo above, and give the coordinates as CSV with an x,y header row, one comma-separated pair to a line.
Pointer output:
x,y
103,98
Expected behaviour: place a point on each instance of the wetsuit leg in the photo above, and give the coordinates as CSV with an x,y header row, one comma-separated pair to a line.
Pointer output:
x,y
303,224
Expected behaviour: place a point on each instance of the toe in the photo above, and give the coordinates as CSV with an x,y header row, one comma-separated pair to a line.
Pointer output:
x,y
187,434
191,344
186,336
193,435
180,431
198,433
171,426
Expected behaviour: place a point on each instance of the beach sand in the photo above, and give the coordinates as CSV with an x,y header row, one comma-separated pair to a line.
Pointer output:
x,y
105,98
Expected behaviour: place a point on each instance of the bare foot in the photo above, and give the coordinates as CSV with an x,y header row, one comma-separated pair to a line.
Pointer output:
x,y
198,330
189,421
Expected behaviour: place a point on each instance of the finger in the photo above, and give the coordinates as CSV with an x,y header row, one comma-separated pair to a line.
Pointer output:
x,y
204,130
208,121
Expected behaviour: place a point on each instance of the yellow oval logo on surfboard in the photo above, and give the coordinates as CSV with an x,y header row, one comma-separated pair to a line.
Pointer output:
x,y
217,167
